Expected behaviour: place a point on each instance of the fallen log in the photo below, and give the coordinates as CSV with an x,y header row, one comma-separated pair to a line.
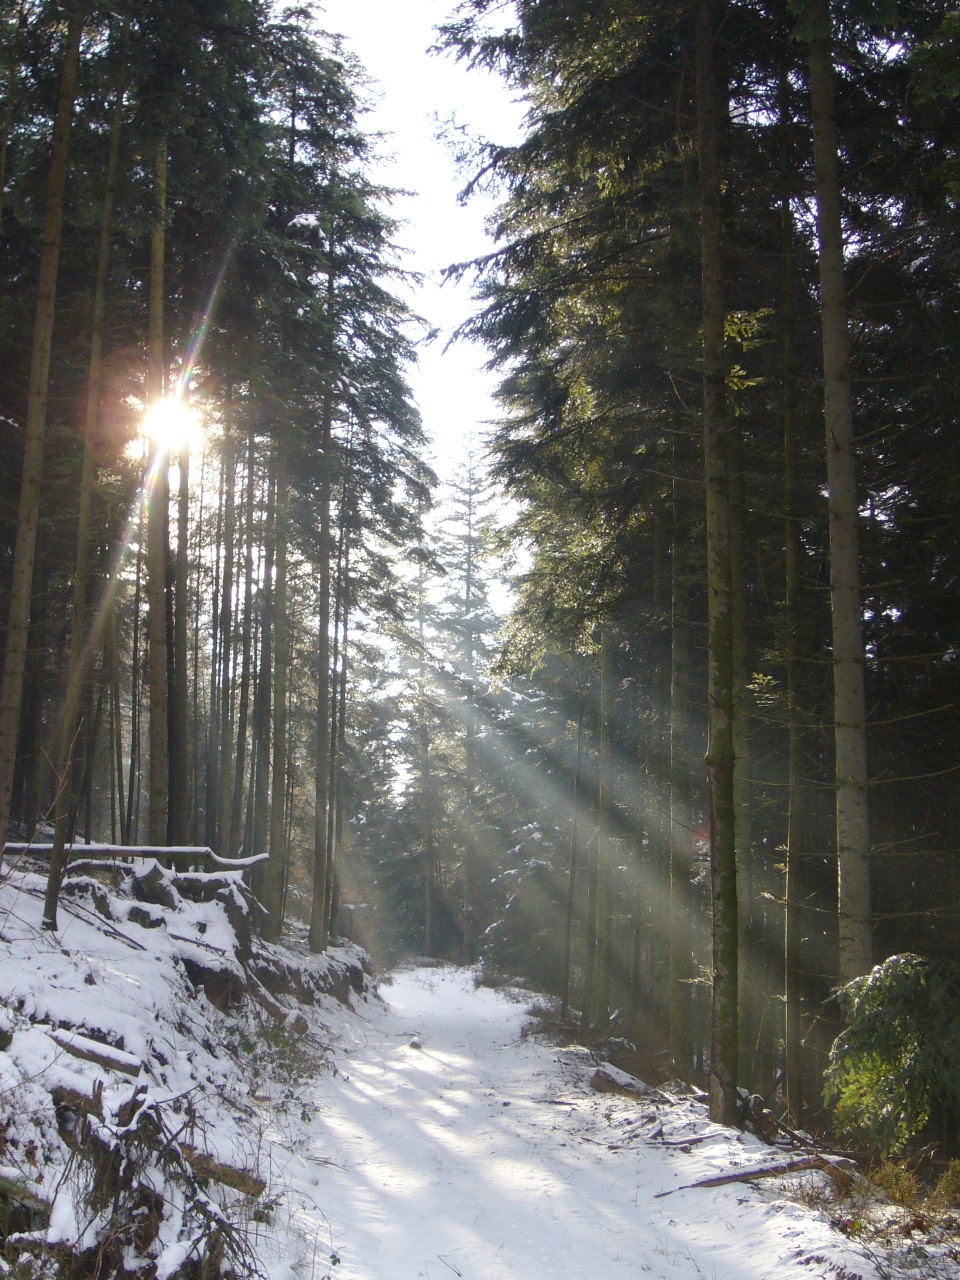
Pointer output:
x,y
205,1165
104,1055
832,1167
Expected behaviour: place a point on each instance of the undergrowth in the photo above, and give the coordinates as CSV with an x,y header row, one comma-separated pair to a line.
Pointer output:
x,y
908,1228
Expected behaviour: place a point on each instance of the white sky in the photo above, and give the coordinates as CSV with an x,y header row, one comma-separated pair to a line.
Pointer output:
x,y
416,91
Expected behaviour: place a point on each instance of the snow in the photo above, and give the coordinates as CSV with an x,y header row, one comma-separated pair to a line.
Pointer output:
x,y
426,1132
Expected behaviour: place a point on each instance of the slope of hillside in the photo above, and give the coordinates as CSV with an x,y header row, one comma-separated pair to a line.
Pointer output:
x,y
152,1055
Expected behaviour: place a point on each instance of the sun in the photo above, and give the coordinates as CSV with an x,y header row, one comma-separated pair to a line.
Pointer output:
x,y
172,425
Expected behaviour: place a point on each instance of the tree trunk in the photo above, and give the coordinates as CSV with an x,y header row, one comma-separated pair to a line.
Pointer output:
x,y
749,984
21,582
681,943
10,100
605,829
226,658
792,516
136,701
263,696
720,752
82,646
337,757
574,861
246,656
321,871
850,719
277,865
158,498
180,797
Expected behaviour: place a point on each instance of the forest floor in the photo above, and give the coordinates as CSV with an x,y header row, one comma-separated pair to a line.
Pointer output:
x,y
178,1098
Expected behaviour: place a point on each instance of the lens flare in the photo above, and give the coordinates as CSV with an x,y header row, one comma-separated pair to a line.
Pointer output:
x,y
172,425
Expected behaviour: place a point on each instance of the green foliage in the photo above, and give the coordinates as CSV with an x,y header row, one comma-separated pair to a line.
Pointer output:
x,y
896,1067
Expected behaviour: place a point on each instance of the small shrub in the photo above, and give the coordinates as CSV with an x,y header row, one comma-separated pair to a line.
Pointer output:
x,y
946,1194
898,1184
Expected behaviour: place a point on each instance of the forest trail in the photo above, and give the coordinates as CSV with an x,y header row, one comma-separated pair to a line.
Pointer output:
x,y
459,1147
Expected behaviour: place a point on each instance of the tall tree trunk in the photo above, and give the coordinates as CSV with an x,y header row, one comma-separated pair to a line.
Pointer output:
x,y
850,718
198,719
321,871
574,865
21,583
246,655
82,645
116,726
605,828
10,99
226,658
792,516
136,701
470,727
681,943
749,984
180,795
277,865
338,742
263,696
158,500
720,751
212,770
338,707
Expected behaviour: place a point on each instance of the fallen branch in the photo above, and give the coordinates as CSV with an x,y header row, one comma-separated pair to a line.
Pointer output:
x,y
292,1019
832,1167
106,926
685,1142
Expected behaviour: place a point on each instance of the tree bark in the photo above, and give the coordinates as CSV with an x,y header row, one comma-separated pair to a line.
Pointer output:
x,y
158,499
792,986
720,750
21,583
226,658
277,866
574,864
605,829
82,645
10,100
850,719
681,946
318,909
180,798
246,655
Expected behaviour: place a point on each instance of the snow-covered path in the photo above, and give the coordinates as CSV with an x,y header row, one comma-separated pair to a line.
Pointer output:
x,y
458,1148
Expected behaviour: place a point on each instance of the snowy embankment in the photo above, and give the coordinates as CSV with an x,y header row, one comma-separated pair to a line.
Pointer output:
x,y
153,1055
178,1099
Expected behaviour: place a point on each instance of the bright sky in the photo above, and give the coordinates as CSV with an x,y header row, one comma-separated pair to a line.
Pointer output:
x,y
417,92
